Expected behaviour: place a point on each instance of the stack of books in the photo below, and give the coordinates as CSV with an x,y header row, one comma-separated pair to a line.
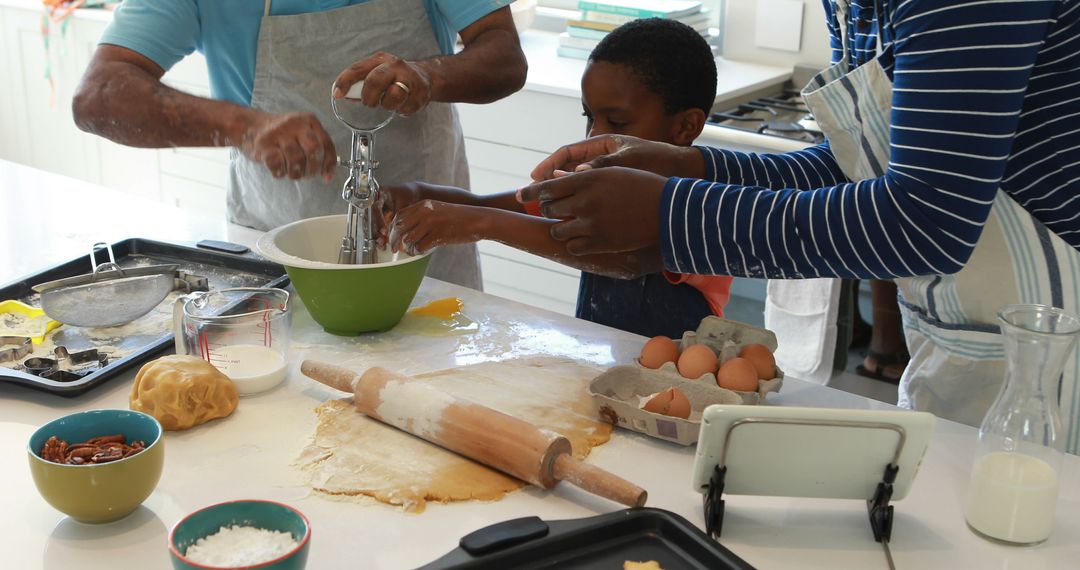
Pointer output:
x,y
598,17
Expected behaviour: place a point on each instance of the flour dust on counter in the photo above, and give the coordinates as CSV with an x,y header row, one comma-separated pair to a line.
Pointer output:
x,y
353,455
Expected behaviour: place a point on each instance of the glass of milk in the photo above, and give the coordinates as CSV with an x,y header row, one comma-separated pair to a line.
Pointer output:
x,y
243,331
1014,478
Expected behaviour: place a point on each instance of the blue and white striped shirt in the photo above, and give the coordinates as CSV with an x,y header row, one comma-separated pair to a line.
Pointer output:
x,y
986,95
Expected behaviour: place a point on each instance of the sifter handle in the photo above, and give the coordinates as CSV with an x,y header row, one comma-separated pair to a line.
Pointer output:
x,y
355,90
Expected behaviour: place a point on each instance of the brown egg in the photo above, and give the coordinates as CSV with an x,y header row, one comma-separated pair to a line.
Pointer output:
x,y
657,351
737,374
670,402
762,358
697,360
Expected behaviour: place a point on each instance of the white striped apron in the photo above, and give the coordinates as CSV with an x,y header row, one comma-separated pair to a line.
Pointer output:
x,y
957,360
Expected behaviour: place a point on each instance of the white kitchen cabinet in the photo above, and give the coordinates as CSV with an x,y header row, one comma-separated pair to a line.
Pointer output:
x,y
42,133
10,97
527,120
37,127
509,272
504,141
193,195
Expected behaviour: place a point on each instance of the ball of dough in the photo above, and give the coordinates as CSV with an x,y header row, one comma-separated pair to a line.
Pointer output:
x,y
182,392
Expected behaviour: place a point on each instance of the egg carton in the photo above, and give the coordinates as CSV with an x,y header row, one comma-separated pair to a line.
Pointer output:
x,y
618,393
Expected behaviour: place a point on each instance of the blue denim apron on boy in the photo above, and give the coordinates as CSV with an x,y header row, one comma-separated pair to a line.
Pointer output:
x,y
648,306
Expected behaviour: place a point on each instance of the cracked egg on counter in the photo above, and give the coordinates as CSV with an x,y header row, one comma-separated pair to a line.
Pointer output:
x,y
664,392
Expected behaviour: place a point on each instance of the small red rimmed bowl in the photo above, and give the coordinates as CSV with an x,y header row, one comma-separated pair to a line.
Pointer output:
x,y
267,515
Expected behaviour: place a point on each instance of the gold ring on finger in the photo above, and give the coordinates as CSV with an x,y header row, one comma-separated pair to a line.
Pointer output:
x,y
403,87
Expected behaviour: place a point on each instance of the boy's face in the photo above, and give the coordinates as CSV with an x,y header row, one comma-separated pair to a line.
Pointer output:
x,y
615,102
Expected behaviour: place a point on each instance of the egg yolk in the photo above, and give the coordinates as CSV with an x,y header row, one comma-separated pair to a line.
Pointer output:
x,y
444,309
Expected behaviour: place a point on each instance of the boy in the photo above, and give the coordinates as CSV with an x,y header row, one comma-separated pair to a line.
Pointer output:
x,y
653,79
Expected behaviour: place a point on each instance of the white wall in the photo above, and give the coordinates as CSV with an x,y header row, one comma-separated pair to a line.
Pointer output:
x,y
739,35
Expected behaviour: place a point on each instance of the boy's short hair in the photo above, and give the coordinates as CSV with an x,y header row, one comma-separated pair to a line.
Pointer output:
x,y
668,57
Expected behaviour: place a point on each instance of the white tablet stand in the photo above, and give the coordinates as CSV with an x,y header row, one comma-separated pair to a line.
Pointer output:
x,y
810,452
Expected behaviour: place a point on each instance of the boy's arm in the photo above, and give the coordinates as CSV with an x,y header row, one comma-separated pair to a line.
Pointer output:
x,y
400,196
428,224
394,199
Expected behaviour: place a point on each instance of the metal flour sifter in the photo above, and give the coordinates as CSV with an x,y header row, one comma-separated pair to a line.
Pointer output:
x,y
110,295
361,190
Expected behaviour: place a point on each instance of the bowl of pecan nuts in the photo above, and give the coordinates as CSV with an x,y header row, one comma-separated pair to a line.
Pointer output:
x,y
97,466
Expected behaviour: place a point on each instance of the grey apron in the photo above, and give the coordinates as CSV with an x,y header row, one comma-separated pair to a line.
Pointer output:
x,y
296,60
957,355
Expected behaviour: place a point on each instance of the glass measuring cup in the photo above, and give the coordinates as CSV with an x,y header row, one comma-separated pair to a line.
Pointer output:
x,y
243,331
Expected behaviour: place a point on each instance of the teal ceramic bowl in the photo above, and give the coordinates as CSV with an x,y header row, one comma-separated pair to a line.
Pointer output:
x,y
256,513
103,492
345,299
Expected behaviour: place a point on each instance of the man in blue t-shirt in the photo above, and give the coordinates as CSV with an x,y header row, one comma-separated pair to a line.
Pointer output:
x,y
274,66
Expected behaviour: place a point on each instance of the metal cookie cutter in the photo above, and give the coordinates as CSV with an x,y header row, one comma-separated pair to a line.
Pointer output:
x,y
18,347
67,366
361,190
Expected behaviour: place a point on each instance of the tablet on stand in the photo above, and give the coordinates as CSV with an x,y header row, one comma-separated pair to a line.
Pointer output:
x,y
872,455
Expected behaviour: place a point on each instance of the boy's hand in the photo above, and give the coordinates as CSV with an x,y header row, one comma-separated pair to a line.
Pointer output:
x,y
621,150
428,224
607,210
393,199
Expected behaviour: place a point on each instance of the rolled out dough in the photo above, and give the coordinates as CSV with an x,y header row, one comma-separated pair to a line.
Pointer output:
x,y
352,455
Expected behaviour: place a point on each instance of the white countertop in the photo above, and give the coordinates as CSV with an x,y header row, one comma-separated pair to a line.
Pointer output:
x,y
48,219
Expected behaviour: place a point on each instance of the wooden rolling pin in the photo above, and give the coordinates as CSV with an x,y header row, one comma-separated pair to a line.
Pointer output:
x,y
490,437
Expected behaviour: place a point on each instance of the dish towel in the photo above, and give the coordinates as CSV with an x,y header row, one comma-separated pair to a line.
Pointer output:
x,y
802,313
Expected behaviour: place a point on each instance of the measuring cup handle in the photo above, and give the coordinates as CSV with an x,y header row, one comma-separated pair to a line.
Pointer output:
x,y
181,342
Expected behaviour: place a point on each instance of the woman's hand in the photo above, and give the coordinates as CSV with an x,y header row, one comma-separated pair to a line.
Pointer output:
x,y
428,224
620,150
606,210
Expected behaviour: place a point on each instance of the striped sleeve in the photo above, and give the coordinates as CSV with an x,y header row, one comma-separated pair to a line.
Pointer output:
x,y
808,168
960,75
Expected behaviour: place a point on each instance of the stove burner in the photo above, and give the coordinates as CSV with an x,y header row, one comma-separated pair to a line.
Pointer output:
x,y
781,127
781,115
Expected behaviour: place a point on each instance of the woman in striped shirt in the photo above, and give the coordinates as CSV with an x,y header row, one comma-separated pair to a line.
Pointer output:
x,y
952,164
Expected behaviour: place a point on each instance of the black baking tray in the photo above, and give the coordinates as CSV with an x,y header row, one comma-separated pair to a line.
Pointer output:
x,y
147,336
604,541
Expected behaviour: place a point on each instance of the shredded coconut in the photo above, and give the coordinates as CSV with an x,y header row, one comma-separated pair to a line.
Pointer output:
x,y
240,546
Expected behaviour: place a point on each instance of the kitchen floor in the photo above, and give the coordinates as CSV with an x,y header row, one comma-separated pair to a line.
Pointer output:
x,y
751,310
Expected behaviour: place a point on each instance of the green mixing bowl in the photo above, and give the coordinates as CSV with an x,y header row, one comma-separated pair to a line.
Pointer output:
x,y
345,299
103,492
259,514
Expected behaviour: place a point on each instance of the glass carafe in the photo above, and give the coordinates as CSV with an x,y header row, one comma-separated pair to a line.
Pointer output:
x,y
1014,478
